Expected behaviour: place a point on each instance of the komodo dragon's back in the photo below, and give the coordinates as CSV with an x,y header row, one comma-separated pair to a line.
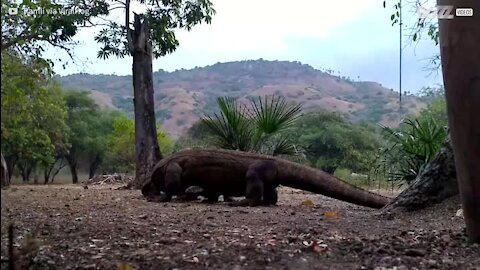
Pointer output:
x,y
288,173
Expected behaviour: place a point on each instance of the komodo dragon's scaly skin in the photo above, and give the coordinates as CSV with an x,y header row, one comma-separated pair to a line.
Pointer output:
x,y
235,173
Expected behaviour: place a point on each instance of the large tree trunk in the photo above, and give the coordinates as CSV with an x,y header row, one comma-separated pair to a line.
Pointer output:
x,y
437,182
460,53
94,166
59,168
11,162
35,179
51,172
4,173
72,164
147,151
47,171
25,171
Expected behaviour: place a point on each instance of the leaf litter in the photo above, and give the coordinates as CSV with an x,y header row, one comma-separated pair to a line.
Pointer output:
x,y
109,228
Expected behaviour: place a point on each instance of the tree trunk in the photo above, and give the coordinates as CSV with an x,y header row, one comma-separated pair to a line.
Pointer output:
x,y
59,168
25,171
47,172
460,53
147,151
46,176
437,182
72,164
11,162
93,167
4,173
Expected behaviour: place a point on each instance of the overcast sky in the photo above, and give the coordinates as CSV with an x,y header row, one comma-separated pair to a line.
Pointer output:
x,y
354,37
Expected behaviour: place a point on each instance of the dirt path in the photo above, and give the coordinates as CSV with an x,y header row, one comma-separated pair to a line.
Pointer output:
x,y
100,227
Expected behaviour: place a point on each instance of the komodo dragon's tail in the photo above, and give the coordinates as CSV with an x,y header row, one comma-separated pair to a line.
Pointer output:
x,y
320,182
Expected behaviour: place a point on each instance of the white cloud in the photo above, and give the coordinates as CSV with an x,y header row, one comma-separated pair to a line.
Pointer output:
x,y
352,36
265,25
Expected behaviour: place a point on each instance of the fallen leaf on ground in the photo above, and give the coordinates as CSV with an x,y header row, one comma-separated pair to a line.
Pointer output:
x,y
307,203
330,214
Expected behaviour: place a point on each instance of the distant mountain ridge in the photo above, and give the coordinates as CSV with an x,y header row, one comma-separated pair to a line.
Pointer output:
x,y
182,96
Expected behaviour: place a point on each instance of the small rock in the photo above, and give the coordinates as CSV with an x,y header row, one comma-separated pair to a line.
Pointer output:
x,y
85,187
447,261
459,213
242,258
432,263
402,267
445,238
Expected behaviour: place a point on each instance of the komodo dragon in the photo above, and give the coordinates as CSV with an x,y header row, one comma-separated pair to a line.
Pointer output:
x,y
255,176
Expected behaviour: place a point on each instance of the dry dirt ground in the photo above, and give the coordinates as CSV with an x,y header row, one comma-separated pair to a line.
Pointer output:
x,y
69,227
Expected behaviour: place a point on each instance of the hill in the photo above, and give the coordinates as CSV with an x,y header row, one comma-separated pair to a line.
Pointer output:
x,y
182,96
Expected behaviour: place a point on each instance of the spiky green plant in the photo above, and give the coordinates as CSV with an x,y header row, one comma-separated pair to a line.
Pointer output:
x,y
410,148
257,128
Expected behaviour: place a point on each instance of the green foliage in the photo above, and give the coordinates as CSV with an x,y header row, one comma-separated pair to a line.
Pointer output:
x,y
162,19
33,114
352,178
28,33
415,142
257,128
197,136
123,104
120,154
329,142
436,110
83,115
410,147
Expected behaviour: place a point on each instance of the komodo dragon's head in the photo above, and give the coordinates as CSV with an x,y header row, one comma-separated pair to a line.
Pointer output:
x,y
147,189
155,184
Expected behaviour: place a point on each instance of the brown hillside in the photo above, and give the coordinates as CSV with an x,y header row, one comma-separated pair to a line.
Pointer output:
x,y
183,96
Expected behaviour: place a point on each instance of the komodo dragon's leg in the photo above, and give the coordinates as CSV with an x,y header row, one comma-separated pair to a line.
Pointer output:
x,y
211,198
270,196
260,184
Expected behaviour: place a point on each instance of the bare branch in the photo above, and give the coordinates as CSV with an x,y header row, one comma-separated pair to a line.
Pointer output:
x,y
65,48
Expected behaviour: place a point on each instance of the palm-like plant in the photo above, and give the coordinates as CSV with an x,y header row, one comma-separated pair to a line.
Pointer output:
x,y
257,128
411,148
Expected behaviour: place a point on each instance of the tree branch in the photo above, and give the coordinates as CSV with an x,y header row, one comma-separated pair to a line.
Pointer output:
x,y
21,37
127,26
66,49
